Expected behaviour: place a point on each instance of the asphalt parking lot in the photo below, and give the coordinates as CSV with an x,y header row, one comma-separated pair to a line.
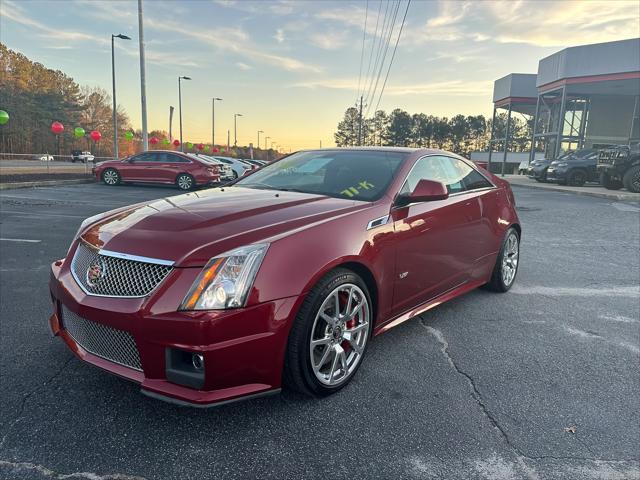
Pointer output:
x,y
540,383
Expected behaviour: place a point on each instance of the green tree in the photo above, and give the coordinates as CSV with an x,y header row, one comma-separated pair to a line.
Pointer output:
x,y
347,133
399,130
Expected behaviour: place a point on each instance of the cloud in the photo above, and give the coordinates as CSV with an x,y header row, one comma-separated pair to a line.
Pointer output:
x,y
243,66
329,40
527,22
449,87
279,36
16,13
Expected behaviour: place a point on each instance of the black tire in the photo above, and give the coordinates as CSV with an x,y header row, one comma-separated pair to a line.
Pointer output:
x,y
577,178
111,177
631,179
608,183
185,182
497,282
298,373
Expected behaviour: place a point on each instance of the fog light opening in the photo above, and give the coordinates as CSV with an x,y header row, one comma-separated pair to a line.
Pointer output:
x,y
197,361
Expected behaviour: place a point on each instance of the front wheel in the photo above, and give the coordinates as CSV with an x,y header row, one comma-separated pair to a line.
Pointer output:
x,y
577,178
329,337
506,267
111,177
184,181
631,179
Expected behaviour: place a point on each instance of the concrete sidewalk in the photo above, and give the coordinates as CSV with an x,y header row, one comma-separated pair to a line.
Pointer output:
x,y
591,190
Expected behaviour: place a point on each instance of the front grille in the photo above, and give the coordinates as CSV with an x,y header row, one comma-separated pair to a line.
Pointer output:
x,y
111,276
109,343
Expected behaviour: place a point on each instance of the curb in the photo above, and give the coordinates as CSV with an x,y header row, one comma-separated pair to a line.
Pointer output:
x,y
620,197
44,183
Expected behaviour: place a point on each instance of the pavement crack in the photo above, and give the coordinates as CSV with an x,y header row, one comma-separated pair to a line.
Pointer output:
x,y
25,398
45,472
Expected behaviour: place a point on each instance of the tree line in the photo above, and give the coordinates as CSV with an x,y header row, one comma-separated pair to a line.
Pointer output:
x,y
36,96
460,134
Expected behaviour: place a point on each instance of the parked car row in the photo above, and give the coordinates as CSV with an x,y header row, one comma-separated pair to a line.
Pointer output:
x,y
613,167
184,170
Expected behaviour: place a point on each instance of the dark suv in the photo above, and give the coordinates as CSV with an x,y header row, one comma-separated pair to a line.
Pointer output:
x,y
620,166
574,169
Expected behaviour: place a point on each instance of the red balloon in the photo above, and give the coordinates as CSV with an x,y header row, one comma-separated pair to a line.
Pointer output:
x,y
153,140
176,142
95,136
215,150
57,128
200,146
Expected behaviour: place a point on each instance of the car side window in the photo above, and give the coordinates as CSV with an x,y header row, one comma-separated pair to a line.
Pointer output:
x,y
455,174
143,157
171,158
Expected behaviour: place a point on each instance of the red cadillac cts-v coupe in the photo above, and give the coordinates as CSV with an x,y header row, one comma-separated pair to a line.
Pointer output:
x,y
159,166
284,277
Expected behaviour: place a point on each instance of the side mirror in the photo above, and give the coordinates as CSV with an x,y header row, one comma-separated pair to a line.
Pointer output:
x,y
425,191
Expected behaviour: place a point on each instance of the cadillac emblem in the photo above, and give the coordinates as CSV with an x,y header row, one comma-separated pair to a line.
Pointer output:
x,y
96,272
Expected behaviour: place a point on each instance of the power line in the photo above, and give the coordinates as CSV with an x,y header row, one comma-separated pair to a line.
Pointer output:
x,y
379,50
373,45
393,55
364,34
375,88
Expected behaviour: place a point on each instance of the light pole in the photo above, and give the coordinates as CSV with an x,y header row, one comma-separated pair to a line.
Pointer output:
x,y
265,142
259,132
143,82
272,144
235,128
180,107
213,120
113,79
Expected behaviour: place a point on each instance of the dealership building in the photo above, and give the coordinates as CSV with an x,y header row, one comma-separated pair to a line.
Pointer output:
x,y
581,97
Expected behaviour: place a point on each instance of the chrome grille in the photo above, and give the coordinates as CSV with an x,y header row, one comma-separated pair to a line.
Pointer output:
x,y
109,343
108,275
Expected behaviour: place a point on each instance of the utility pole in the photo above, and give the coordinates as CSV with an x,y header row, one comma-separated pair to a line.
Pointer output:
x,y
235,128
265,142
180,107
360,124
228,139
258,144
213,120
143,85
170,122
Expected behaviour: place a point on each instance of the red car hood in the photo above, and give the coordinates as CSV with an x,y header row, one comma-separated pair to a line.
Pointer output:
x,y
192,228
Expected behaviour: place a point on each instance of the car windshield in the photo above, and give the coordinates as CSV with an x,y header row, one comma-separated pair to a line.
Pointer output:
x,y
357,175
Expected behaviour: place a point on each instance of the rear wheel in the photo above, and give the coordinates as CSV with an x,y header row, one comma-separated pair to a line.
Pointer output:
x,y
577,178
506,267
329,337
631,179
184,181
111,176
607,182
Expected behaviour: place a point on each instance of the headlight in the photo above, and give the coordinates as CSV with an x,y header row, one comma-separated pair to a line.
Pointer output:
x,y
226,280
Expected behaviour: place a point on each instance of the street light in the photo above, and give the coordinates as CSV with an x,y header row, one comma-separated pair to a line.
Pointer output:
x,y
272,144
259,132
180,107
265,142
235,128
113,79
213,120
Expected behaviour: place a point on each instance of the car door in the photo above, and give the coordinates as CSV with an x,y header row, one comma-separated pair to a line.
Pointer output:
x,y
168,166
135,169
435,241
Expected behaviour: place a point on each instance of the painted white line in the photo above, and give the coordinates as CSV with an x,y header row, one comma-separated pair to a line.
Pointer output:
x,y
21,240
42,215
613,291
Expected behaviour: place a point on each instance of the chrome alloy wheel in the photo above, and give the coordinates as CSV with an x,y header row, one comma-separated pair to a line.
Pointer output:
x,y
110,177
185,182
510,256
339,334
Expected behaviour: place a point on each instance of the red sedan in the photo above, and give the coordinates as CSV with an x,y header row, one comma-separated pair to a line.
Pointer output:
x,y
284,277
159,166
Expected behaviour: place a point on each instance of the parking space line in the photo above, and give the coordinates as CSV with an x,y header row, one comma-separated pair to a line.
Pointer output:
x,y
20,240
45,215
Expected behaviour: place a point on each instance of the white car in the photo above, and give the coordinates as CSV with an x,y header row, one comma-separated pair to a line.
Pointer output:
x,y
83,157
238,166
226,172
44,158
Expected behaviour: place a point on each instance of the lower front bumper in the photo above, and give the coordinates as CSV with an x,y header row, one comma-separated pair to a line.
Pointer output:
x,y
243,350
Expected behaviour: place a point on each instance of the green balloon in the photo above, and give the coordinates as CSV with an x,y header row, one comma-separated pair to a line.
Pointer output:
x,y
189,145
78,132
128,135
4,117
165,141
222,150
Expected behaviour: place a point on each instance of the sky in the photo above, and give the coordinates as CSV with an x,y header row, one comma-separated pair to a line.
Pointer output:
x,y
292,67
